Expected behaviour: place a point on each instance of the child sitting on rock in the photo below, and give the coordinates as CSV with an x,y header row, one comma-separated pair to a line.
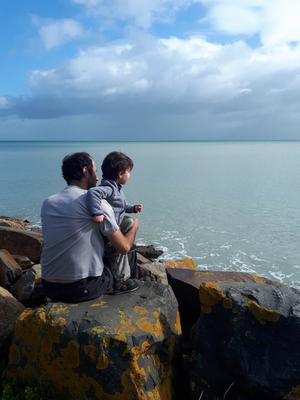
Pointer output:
x,y
116,168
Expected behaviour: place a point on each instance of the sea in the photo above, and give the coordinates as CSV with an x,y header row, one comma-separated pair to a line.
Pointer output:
x,y
228,205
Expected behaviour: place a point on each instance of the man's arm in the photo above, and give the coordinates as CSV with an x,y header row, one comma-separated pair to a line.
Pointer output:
x,y
123,242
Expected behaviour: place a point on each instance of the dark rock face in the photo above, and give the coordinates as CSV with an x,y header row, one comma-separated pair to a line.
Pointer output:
x,y
247,336
115,347
21,242
149,252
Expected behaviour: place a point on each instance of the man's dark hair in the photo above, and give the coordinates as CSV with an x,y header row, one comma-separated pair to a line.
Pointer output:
x,y
73,164
114,164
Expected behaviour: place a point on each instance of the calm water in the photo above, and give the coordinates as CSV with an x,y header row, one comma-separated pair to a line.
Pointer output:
x,y
230,206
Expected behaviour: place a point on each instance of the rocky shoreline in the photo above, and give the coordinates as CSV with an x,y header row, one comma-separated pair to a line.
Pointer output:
x,y
184,334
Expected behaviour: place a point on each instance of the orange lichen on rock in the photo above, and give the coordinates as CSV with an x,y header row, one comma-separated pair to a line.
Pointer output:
x,y
262,314
140,310
103,359
100,304
178,324
188,263
210,295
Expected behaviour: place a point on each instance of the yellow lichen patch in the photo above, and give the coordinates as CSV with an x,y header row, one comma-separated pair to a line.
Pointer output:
x,y
262,314
294,394
227,303
91,351
146,325
178,324
101,304
60,321
188,263
103,359
125,328
71,354
57,309
97,329
25,314
210,295
142,311
138,371
259,279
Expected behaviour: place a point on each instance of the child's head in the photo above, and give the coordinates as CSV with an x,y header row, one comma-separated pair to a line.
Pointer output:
x,y
117,166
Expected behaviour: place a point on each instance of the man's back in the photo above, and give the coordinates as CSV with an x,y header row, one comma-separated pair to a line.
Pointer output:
x,y
73,245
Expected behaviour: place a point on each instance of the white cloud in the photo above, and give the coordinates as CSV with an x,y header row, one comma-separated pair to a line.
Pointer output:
x,y
275,21
141,13
58,32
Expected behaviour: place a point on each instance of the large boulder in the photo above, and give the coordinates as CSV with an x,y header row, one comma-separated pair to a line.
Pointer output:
x,y
246,341
116,347
17,241
10,309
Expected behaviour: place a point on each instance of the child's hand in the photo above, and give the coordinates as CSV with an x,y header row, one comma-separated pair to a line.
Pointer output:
x,y
98,218
138,208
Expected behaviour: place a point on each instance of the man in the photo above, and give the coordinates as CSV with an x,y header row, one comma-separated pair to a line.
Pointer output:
x,y
72,256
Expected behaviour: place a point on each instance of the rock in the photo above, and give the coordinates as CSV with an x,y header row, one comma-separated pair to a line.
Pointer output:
x,y
186,283
141,259
246,338
10,271
121,347
148,251
155,270
10,309
188,263
24,287
12,222
23,261
21,242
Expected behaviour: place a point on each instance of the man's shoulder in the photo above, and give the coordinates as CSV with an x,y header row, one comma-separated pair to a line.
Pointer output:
x,y
67,194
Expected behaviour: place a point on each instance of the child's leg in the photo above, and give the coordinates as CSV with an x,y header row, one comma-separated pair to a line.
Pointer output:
x,y
126,224
117,263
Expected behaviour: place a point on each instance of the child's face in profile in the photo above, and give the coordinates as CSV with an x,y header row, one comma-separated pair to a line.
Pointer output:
x,y
124,176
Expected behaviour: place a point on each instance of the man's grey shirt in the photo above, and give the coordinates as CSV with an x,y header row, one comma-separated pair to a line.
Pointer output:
x,y
112,192
73,245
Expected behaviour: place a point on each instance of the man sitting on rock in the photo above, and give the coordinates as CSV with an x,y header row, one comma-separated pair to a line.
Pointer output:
x,y
72,256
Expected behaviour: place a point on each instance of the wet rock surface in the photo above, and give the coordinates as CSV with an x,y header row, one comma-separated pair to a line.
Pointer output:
x,y
115,347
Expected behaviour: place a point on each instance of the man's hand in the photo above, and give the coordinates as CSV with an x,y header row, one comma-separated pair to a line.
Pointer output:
x,y
138,208
98,218
123,243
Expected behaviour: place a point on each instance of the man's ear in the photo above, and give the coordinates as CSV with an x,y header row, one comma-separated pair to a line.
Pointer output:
x,y
85,171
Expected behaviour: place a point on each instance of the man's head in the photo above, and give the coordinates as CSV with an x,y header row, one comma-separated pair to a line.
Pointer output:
x,y
115,165
79,168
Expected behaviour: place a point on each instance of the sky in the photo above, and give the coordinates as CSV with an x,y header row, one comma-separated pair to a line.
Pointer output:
x,y
150,70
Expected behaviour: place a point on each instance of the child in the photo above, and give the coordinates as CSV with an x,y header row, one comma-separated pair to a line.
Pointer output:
x,y
116,168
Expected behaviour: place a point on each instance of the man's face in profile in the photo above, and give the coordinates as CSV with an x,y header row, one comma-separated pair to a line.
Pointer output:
x,y
92,177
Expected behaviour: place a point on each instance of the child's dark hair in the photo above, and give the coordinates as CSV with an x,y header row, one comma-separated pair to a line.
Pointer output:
x,y
114,164
73,164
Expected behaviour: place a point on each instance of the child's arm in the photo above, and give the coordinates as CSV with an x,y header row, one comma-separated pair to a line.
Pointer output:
x,y
94,197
